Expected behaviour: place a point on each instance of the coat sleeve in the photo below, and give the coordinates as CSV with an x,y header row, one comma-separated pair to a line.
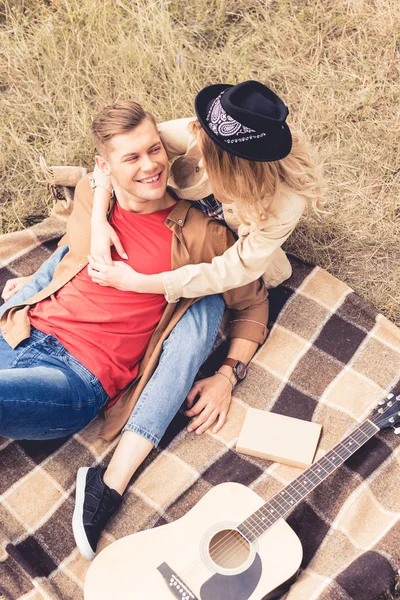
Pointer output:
x,y
250,306
249,303
243,262
175,136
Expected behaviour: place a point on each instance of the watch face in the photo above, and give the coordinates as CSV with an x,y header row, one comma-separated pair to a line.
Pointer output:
x,y
241,370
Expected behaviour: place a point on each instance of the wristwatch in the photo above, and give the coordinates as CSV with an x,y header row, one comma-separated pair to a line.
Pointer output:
x,y
239,368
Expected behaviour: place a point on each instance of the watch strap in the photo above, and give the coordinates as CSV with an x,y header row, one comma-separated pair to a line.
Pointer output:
x,y
231,362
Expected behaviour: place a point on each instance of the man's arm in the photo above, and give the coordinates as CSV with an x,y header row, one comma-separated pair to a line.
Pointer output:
x,y
20,289
248,329
250,307
13,286
216,392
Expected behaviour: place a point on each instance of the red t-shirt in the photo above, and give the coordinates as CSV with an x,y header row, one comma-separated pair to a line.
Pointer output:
x,y
107,329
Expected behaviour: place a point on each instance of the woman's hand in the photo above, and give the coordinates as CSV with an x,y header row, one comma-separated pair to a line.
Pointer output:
x,y
123,277
102,238
13,286
118,275
213,404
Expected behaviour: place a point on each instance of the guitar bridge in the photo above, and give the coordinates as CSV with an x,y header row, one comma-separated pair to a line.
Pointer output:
x,y
178,588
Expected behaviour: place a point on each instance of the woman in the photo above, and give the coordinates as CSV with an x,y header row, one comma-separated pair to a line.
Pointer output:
x,y
239,161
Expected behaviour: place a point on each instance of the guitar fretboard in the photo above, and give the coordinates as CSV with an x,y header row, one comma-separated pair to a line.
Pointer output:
x,y
285,500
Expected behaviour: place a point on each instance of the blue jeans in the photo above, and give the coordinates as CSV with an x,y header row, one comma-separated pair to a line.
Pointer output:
x,y
183,353
44,391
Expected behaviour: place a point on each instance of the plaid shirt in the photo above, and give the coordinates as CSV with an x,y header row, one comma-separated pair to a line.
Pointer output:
x,y
212,208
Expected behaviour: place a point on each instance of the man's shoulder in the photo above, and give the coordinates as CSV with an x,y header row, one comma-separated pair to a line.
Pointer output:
x,y
205,234
83,194
198,216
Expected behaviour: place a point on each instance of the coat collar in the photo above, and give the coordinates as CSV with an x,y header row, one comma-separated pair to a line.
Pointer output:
x,y
178,213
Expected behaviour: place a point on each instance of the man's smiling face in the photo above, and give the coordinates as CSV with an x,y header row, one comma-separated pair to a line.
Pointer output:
x,y
138,165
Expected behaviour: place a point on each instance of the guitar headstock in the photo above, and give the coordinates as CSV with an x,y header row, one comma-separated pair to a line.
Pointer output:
x,y
387,413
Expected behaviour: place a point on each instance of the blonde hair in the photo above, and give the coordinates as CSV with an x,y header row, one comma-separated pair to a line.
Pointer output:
x,y
254,186
116,119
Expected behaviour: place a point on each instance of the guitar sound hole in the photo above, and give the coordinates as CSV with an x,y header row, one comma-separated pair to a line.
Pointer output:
x,y
229,549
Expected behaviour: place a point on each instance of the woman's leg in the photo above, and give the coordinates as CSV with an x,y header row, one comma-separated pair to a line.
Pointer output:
x,y
183,353
40,280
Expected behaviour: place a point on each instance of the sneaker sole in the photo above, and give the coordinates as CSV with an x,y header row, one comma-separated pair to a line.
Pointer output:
x,y
77,523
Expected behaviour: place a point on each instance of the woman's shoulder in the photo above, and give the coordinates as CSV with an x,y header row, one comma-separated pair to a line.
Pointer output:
x,y
288,206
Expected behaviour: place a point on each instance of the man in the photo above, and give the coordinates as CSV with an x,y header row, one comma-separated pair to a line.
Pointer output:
x,y
86,342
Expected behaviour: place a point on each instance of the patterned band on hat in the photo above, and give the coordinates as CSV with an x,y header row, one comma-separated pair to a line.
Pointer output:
x,y
221,124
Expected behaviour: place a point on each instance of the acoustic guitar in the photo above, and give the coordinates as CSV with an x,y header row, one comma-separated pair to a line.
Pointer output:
x,y
230,546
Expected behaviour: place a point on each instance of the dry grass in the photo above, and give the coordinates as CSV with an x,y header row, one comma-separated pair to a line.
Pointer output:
x,y
335,62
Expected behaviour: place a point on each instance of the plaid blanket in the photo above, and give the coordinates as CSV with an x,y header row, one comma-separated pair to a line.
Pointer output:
x,y
329,358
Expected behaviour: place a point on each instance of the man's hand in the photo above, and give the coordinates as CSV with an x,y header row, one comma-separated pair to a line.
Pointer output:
x,y
103,237
13,286
119,275
213,404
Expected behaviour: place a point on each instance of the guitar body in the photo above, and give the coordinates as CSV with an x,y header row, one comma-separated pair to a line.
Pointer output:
x,y
200,556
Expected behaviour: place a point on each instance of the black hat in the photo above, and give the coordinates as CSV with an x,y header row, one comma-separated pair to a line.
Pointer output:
x,y
247,120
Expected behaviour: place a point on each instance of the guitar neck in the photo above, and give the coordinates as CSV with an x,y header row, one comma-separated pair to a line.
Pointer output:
x,y
285,500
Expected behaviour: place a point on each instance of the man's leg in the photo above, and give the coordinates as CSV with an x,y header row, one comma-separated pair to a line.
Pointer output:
x,y
44,392
183,353
40,280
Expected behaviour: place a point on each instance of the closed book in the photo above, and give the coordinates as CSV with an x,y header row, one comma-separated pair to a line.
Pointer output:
x,y
279,438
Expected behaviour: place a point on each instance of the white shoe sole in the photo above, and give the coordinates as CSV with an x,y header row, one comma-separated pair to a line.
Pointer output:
x,y
77,521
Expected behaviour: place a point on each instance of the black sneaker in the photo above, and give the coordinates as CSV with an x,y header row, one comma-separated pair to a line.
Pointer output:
x,y
95,503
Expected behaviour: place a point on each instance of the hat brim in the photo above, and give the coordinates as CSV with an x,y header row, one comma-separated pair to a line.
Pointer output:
x,y
265,149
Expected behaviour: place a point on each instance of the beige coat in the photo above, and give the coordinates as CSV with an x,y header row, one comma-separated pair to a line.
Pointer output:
x,y
254,255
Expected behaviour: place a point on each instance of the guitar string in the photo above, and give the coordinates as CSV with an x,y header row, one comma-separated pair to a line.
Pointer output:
x,y
234,550
229,546
328,457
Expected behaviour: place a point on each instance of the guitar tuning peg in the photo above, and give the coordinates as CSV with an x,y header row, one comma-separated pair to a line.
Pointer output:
x,y
381,402
389,396
396,430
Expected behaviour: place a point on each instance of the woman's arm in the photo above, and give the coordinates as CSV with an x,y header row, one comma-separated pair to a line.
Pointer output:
x,y
243,262
103,235
175,136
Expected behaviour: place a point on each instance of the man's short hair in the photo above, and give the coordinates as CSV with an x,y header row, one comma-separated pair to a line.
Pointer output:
x,y
115,119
